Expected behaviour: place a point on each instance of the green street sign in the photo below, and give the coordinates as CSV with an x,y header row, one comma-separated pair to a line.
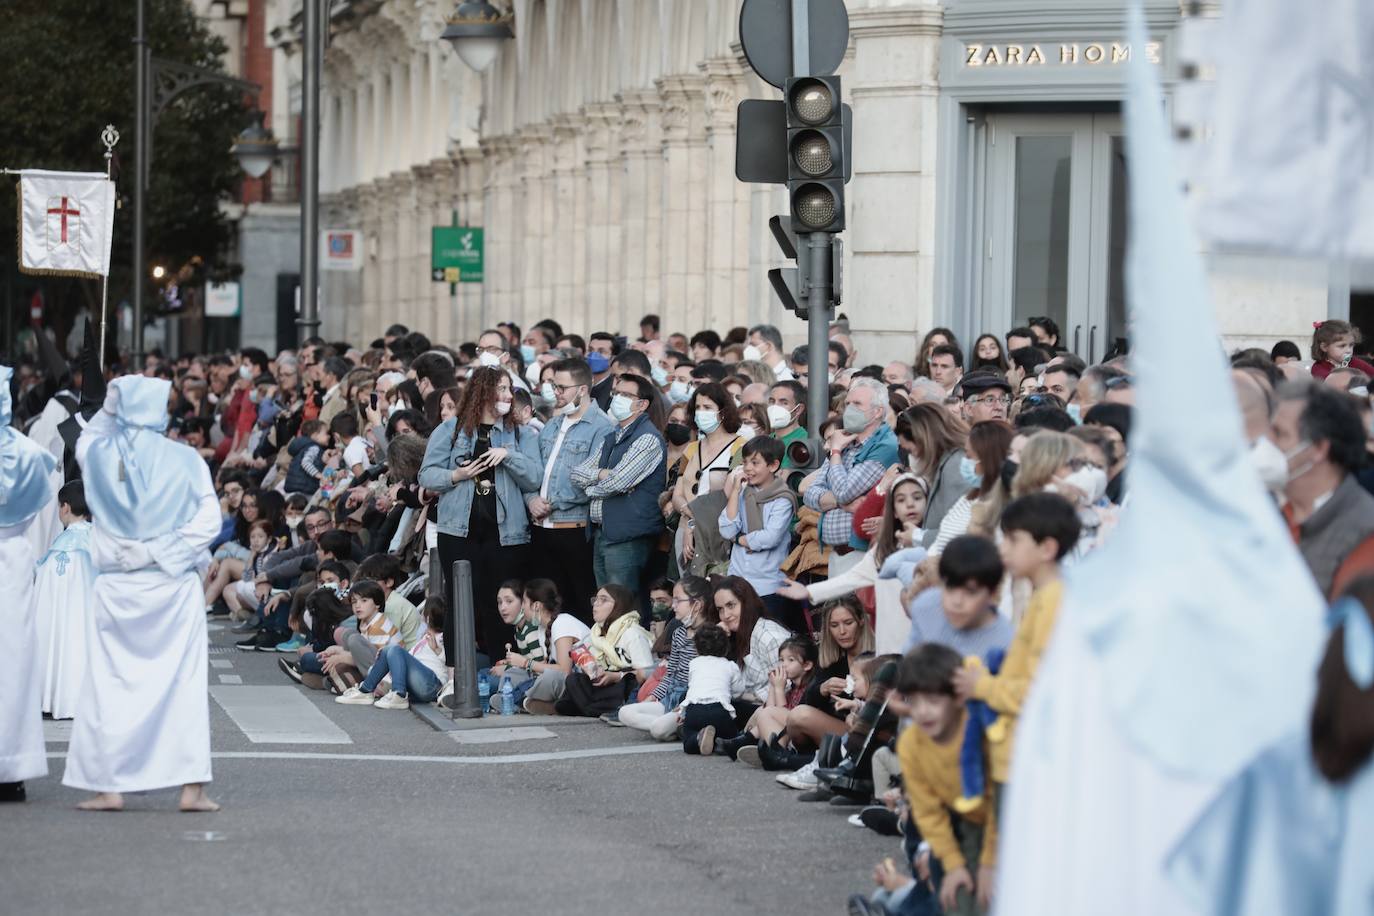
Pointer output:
x,y
456,247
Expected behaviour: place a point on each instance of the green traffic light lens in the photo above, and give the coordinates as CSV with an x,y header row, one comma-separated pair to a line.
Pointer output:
x,y
814,205
812,102
811,152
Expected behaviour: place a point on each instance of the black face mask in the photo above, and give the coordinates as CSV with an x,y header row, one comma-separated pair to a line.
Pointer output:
x,y
677,433
1009,469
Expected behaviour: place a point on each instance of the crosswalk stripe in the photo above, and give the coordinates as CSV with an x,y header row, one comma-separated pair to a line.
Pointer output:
x,y
277,715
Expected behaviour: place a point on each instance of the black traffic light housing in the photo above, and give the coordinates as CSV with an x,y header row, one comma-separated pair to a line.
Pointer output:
x,y
817,153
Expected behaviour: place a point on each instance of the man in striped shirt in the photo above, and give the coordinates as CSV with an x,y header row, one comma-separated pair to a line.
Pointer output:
x,y
624,480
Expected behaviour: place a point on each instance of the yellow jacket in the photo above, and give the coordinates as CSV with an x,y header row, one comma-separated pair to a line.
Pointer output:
x,y
930,776
1006,690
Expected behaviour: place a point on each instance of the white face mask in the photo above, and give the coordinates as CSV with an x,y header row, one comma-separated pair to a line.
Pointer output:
x,y
679,392
502,408
753,352
779,417
748,431
490,360
1090,481
532,374
1291,474
245,371
570,407
395,409
1269,463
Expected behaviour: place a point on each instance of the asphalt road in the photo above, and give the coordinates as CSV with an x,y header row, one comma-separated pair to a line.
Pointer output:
x,y
346,809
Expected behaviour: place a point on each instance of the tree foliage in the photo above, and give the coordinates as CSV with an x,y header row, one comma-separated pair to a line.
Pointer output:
x,y
68,70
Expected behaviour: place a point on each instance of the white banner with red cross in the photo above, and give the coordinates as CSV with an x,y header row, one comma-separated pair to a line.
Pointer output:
x,y
66,221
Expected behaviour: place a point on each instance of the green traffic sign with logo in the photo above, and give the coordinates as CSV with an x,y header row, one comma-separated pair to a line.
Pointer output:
x,y
457,247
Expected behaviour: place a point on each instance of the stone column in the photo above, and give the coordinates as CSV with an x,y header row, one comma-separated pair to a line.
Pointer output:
x,y
469,193
891,200
684,191
533,256
601,186
370,313
395,141
413,222
728,223
566,243
641,199
504,204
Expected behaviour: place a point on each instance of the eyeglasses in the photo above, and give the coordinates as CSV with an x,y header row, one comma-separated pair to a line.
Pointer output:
x,y
493,350
561,388
317,528
1078,464
991,399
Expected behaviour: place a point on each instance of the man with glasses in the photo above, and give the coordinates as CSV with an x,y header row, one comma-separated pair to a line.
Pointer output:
x,y
985,396
493,349
561,511
624,480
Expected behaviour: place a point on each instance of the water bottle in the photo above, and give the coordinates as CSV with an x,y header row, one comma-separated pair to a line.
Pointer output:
x,y
484,693
507,697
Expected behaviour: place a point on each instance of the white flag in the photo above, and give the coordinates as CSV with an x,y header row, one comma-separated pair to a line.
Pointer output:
x,y
66,223
1288,163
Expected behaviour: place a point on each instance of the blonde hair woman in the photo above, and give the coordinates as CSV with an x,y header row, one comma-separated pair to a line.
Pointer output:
x,y
1044,459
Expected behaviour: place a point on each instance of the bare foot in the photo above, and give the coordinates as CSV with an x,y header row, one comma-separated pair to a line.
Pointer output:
x,y
193,798
103,801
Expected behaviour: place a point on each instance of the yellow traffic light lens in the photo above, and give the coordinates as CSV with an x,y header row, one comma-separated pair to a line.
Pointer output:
x,y
814,205
813,102
811,152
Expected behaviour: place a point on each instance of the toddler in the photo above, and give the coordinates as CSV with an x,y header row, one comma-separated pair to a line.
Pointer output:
x,y
712,682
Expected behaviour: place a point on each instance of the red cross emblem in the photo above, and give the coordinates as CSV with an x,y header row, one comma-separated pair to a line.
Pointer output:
x,y
64,220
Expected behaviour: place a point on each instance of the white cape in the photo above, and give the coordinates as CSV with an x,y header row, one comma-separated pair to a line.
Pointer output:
x,y
145,713
63,597
22,755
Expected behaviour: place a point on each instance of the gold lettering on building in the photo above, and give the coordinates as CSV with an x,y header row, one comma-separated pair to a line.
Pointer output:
x,y
1071,54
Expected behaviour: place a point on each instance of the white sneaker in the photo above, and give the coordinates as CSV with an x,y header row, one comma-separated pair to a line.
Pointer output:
x,y
855,820
802,779
392,700
354,697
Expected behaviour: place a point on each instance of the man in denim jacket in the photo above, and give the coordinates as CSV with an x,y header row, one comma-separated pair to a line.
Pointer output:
x,y
561,511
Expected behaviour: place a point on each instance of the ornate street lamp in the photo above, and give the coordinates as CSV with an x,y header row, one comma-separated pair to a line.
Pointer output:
x,y
255,148
477,29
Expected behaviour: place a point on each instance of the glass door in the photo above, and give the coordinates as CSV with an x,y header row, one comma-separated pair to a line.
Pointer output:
x,y
1054,226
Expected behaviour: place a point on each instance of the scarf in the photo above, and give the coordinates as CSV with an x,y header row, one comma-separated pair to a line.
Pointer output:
x,y
604,647
755,497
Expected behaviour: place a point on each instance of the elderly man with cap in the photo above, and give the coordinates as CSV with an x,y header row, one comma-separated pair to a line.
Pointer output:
x,y
985,395
26,489
145,713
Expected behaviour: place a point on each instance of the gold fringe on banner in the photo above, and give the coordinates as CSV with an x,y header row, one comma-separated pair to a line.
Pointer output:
x,y
41,271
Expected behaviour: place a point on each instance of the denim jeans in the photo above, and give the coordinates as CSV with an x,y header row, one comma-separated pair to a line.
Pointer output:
x,y
310,663
622,563
408,676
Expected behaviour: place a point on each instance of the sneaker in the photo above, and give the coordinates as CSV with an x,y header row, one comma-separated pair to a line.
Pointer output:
x,y
880,820
246,626
290,669
855,820
268,640
706,741
354,696
613,719
817,794
749,756
297,641
539,707
840,800
802,779
392,700
251,643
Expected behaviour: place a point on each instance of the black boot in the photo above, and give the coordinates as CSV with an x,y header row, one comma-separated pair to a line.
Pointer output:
x,y
12,792
775,757
731,746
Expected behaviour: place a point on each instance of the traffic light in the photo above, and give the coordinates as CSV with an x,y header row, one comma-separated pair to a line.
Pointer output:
x,y
817,161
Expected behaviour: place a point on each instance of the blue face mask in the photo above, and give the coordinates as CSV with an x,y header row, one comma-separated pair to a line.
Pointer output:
x,y
598,362
527,353
621,407
707,421
1075,413
968,471
659,375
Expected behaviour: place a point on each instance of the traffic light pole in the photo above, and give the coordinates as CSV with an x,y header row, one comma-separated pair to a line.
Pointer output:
x,y
818,298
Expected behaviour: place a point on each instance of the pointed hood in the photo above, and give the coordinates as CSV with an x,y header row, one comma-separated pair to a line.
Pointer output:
x,y
26,467
1200,606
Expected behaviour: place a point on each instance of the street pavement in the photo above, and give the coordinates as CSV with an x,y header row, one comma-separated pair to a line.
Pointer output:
x,y
348,809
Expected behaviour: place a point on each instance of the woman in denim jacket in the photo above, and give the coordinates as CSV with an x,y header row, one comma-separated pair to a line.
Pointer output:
x,y
481,464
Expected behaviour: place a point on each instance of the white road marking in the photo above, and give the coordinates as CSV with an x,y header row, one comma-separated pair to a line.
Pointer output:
x,y
277,715
221,663
213,627
499,735
401,758
230,679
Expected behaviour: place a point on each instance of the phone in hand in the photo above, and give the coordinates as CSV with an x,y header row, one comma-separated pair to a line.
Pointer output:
x,y
373,398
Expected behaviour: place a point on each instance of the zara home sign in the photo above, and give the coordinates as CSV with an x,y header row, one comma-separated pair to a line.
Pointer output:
x,y
1069,54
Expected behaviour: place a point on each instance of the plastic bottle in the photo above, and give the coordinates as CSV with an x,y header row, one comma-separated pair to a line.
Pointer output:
x,y
484,693
507,697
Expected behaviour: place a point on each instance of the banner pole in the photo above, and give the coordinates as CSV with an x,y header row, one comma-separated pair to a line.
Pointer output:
x,y
109,136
